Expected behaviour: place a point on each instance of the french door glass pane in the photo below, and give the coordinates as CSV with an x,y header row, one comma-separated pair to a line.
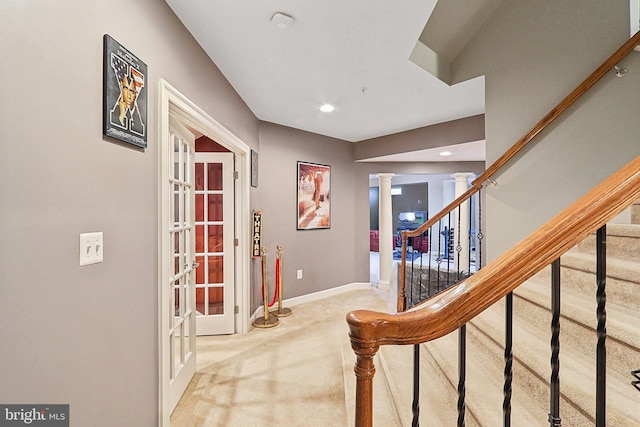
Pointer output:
x,y
199,207
200,270
176,158
176,206
199,184
200,301
215,207
186,346
199,238
216,300
216,269
176,302
215,238
177,349
214,173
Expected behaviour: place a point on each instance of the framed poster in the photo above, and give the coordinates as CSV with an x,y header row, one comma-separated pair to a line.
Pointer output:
x,y
124,95
314,196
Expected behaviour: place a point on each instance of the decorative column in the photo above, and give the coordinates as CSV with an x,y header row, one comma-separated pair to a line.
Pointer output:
x,y
385,221
461,224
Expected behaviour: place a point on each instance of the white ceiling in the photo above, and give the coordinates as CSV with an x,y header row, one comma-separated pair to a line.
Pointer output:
x,y
352,54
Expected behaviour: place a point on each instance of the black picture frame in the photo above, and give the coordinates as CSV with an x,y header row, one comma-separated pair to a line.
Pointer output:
x,y
124,94
313,196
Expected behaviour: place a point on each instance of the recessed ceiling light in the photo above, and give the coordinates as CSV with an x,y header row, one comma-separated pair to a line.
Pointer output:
x,y
445,153
327,108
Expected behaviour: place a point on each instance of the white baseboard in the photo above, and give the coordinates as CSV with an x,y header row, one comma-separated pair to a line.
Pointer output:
x,y
315,296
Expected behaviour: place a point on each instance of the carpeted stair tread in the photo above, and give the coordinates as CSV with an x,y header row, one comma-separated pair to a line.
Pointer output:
x,y
616,268
578,274
577,371
484,384
623,242
397,362
578,323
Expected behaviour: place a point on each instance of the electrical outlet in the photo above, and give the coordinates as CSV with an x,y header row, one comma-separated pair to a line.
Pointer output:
x,y
91,248
299,276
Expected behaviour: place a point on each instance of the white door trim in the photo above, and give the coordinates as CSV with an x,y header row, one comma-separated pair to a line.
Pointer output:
x,y
173,102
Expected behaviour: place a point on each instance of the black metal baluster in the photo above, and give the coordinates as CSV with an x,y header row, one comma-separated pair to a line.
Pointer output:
x,y
415,407
439,257
462,372
414,300
554,412
458,253
508,360
430,252
636,382
479,234
449,249
601,350
421,271
470,236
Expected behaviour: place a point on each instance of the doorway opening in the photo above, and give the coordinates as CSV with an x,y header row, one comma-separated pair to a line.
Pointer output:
x,y
175,107
414,198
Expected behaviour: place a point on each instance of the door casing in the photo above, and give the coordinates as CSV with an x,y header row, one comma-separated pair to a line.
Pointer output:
x,y
172,102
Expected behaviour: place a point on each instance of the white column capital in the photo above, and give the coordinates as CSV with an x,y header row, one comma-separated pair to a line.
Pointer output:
x,y
385,177
460,176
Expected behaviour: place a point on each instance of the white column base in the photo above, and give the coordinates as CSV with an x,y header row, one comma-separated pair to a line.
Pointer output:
x,y
383,284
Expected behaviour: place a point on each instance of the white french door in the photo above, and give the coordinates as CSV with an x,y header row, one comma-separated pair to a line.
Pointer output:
x,y
215,250
176,302
180,255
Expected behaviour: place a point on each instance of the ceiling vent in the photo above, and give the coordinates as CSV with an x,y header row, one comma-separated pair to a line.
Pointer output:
x,y
281,20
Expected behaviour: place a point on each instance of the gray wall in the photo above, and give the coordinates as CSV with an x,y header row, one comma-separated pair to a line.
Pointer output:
x,y
469,129
86,336
533,53
325,256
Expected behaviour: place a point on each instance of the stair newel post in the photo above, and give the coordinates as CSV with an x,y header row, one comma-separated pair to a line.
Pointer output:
x,y
554,412
364,370
415,407
508,361
601,350
462,372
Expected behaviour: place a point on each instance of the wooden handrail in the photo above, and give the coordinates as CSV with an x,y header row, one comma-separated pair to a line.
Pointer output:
x,y
567,102
454,307
477,184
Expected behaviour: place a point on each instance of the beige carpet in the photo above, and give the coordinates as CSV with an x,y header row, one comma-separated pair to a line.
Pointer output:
x,y
289,375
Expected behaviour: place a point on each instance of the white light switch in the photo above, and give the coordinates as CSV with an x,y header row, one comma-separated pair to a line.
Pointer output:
x,y
299,275
91,248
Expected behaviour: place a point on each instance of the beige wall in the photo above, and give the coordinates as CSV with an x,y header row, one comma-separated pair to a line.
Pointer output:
x,y
325,256
469,129
533,53
86,336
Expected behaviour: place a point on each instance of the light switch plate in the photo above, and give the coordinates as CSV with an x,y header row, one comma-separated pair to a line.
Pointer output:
x,y
91,248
